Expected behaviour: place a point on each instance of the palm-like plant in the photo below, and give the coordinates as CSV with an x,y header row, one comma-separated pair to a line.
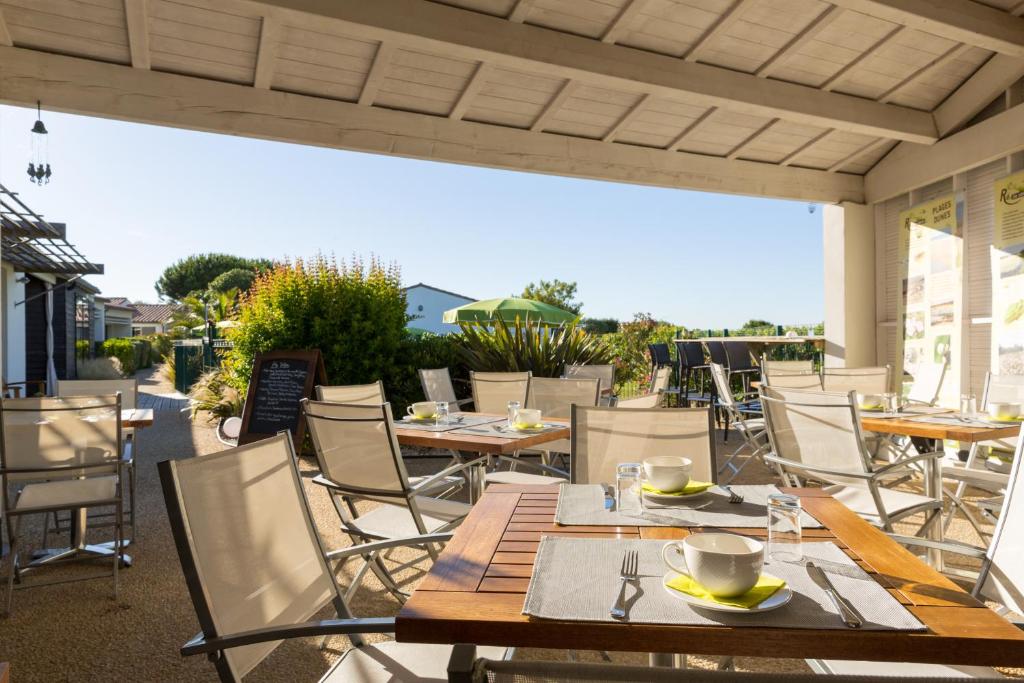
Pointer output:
x,y
521,346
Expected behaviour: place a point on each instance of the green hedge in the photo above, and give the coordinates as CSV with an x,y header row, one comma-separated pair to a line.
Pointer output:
x,y
134,353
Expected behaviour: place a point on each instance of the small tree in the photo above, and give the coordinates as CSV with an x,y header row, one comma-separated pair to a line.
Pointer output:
x,y
240,279
556,292
194,274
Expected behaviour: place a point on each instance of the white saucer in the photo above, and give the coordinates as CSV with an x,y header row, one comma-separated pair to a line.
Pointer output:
x,y
529,430
775,601
670,498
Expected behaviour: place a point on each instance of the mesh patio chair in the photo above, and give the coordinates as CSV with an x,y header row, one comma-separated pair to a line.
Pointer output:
x,y
256,571
807,381
751,428
660,355
469,665
861,380
817,435
359,459
655,396
927,384
61,454
1000,580
605,373
604,437
492,391
129,390
787,366
355,394
437,386
692,371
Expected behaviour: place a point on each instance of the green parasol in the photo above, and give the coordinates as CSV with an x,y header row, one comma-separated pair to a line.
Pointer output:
x,y
508,310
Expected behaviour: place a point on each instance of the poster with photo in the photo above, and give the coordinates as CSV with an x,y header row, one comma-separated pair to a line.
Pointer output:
x,y
1008,276
931,252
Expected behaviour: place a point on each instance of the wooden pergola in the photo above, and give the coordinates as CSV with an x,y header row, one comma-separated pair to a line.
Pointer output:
x,y
846,102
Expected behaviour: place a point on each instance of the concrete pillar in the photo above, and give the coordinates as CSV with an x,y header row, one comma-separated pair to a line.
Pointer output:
x,y
849,255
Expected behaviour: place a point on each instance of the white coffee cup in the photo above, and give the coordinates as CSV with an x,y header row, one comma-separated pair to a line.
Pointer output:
x,y
871,401
528,417
726,565
422,409
1004,411
667,472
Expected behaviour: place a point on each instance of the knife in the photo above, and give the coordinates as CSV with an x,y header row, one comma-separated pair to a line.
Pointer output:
x,y
846,611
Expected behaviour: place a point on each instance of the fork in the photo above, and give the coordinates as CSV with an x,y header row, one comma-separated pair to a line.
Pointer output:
x,y
733,496
628,572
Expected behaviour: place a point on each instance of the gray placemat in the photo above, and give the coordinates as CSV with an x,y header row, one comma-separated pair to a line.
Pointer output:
x,y
577,579
583,504
958,421
500,429
456,421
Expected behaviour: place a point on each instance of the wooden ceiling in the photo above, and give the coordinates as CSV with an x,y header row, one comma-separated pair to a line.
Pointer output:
x,y
755,88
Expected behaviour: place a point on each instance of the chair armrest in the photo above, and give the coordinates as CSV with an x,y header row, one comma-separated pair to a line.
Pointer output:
x,y
375,546
434,478
200,644
951,546
796,465
985,479
902,463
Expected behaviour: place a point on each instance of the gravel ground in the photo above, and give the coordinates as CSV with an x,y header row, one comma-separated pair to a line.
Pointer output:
x,y
76,632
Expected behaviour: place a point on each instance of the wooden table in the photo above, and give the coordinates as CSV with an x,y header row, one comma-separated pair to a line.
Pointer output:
x,y
479,443
937,432
137,417
475,591
772,340
5,672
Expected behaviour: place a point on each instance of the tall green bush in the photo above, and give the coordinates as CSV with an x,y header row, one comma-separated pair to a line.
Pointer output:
x,y
162,344
519,347
123,350
629,345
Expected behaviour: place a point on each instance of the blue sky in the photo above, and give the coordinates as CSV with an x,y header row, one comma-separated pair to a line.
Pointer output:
x,y
137,198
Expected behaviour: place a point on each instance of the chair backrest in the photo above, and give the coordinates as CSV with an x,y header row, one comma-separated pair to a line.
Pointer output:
x,y
604,437
927,384
716,352
788,366
690,353
738,355
129,389
59,437
809,381
815,428
660,380
359,394
493,390
722,388
1002,389
437,385
605,373
249,551
554,396
861,380
1002,577
356,448
659,354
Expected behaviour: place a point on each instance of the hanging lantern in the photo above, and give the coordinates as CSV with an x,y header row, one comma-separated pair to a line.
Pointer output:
x,y
39,166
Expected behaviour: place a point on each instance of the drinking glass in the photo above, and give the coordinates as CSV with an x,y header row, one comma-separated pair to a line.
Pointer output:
x,y
968,405
628,483
784,529
513,411
441,413
891,402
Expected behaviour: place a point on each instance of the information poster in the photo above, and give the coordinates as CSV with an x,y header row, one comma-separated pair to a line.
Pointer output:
x,y
1008,276
931,253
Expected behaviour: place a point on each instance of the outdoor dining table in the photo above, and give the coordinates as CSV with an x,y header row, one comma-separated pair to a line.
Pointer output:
x,y
476,590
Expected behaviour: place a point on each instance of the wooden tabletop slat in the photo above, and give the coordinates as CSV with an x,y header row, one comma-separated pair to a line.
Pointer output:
x,y
934,431
479,595
478,443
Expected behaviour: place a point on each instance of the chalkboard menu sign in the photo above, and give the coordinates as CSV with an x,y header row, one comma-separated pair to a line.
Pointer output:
x,y
280,380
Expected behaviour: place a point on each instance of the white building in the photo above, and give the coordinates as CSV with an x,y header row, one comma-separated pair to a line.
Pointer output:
x,y
427,304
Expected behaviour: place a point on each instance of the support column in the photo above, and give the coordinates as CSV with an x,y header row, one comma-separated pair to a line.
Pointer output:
x,y
849,256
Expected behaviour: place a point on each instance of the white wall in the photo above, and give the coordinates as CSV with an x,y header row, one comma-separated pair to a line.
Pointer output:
x,y
849,256
99,322
13,326
428,306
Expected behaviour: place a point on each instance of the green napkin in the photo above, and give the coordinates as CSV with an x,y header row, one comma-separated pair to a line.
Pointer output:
x,y
690,488
766,587
519,426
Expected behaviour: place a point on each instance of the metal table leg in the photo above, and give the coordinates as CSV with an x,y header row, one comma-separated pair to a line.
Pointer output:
x,y
79,547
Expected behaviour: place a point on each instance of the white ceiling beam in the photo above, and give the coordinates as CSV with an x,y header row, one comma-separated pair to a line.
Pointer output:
x,y
266,55
377,70
908,167
622,20
472,89
840,75
461,34
626,118
93,88
809,33
872,146
942,60
807,146
697,123
137,18
720,26
963,21
989,82
553,105
520,10
734,153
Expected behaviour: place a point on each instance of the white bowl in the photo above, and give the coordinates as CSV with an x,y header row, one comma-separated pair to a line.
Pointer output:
x,y
528,417
1003,411
726,565
871,401
667,472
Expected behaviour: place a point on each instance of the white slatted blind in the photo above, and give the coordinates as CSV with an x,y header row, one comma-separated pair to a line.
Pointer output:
x,y
978,260
889,277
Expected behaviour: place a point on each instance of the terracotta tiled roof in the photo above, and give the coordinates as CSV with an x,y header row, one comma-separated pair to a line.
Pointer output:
x,y
154,313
